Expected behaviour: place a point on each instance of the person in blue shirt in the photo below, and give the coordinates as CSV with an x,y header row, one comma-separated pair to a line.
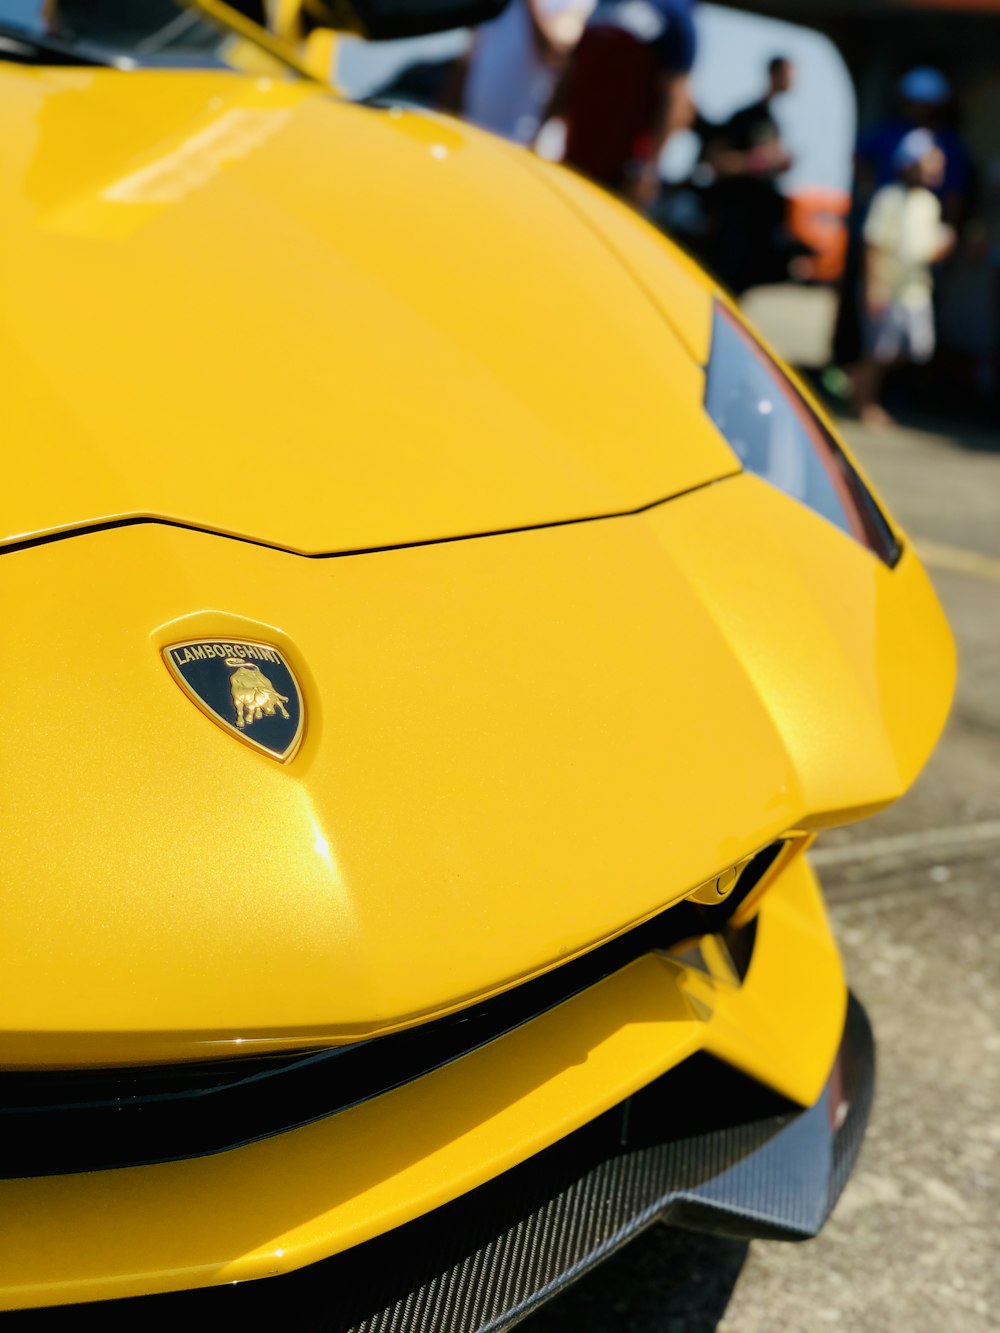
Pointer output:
x,y
925,96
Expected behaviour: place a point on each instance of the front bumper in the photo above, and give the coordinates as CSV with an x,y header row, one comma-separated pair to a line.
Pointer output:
x,y
482,1263
669,1088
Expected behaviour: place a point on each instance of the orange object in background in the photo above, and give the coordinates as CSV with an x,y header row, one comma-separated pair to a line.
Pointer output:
x,y
818,218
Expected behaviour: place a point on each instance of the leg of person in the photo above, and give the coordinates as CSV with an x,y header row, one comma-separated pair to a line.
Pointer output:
x,y
868,377
919,338
885,342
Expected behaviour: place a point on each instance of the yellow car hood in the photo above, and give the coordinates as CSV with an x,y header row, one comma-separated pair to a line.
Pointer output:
x,y
514,748
252,309
246,306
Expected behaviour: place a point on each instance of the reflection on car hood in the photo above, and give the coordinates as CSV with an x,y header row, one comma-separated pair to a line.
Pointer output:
x,y
514,749
249,307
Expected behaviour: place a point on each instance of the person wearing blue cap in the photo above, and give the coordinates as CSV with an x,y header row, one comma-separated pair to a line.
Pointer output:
x,y
904,235
925,96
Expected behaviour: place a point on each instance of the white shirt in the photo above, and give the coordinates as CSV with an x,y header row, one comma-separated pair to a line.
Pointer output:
x,y
904,229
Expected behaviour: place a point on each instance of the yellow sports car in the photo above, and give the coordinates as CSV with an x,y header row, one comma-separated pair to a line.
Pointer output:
x,y
434,629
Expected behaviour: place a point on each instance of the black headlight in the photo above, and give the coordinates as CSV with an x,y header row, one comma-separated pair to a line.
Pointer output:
x,y
777,436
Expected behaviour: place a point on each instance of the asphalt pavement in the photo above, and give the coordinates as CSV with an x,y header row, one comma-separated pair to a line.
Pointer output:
x,y
912,1246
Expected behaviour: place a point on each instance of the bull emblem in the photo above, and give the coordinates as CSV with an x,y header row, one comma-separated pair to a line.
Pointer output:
x,y
234,691
253,694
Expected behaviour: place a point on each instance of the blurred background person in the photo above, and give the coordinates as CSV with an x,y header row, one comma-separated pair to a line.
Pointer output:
x,y
753,131
746,206
925,102
509,77
904,235
626,89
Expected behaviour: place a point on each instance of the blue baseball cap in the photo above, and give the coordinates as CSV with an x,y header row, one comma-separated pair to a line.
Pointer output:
x,y
925,85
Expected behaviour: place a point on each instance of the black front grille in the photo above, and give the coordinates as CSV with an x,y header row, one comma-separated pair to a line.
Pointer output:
x,y
62,1121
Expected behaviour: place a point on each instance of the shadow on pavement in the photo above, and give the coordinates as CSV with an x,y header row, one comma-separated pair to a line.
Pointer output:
x,y
665,1281
952,431
976,437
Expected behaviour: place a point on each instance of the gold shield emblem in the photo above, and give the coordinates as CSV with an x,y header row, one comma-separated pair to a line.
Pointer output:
x,y
247,687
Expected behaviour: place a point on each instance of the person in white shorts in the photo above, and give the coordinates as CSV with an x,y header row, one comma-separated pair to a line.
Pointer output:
x,y
904,236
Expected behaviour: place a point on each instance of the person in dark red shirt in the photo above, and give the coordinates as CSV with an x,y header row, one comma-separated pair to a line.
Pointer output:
x,y
626,90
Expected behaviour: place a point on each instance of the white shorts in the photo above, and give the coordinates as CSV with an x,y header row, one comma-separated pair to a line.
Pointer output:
x,y
902,333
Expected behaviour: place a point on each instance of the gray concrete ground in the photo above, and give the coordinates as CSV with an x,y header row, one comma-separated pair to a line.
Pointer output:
x,y
913,1245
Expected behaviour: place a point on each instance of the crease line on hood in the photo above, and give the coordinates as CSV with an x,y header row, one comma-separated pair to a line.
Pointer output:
x,y
137,520
553,174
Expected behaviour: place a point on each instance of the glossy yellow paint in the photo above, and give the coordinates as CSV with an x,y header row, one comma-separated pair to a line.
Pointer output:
x,y
414,339
530,742
856,661
673,281
317,49
259,49
504,744
331,329
296,1198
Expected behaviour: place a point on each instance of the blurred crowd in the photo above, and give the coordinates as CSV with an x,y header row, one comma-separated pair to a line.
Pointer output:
x,y
603,88
921,283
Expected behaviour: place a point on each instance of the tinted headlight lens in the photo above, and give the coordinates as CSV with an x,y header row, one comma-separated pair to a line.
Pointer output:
x,y
776,435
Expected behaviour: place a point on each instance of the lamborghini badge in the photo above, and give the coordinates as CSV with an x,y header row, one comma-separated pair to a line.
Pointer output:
x,y
248,688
